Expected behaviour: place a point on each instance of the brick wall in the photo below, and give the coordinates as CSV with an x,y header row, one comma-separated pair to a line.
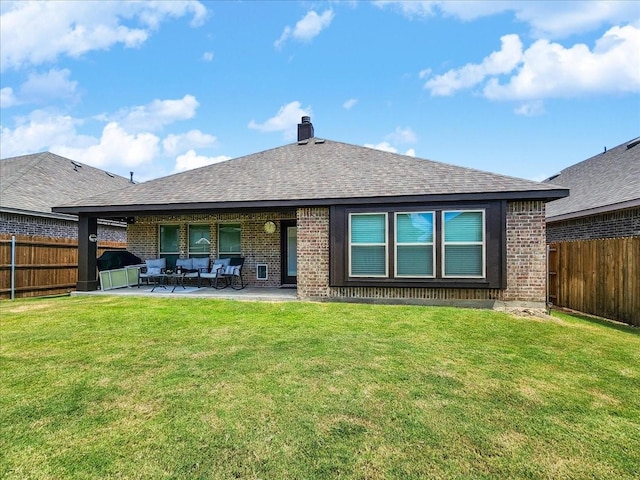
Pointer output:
x,y
526,252
256,245
15,224
313,252
526,263
622,223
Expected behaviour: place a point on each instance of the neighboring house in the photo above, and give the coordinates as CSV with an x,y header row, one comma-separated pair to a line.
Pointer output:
x,y
31,184
351,223
604,200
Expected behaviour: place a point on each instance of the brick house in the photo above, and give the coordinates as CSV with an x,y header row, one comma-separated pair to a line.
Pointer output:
x,y
31,185
604,200
344,222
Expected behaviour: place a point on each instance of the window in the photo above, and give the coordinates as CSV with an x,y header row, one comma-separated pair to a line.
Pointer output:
x,y
449,245
368,245
229,235
414,244
199,240
463,244
169,241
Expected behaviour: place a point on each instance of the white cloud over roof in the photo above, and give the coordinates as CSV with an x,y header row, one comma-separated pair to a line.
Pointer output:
x,y
34,33
306,28
286,120
547,69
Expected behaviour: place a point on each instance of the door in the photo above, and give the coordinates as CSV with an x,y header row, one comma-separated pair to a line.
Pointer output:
x,y
289,252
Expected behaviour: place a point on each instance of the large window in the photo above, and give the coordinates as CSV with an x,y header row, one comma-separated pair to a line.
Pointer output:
x,y
368,245
415,244
457,245
169,243
229,236
199,240
463,244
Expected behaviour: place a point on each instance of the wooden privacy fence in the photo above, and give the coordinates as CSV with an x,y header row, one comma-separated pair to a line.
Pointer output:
x,y
43,265
599,277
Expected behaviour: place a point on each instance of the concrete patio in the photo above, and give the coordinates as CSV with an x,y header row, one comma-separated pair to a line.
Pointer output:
x,y
248,294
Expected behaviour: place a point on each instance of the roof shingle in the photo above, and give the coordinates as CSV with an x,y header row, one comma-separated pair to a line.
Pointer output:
x,y
603,182
314,170
37,182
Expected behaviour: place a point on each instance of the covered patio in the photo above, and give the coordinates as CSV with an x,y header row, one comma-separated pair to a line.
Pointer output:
x,y
264,294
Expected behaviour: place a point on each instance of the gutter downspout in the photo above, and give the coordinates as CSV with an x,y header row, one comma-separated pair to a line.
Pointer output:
x,y
13,267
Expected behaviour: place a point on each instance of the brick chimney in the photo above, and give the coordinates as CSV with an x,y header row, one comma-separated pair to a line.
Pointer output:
x,y
305,129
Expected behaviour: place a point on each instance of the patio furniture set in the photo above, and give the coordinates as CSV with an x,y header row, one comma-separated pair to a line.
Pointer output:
x,y
223,273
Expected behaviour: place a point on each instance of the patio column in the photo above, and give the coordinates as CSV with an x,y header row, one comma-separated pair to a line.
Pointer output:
x,y
87,253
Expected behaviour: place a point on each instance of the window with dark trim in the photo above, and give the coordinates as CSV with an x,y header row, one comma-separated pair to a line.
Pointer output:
x,y
446,245
168,246
229,240
414,234
463,248
199,240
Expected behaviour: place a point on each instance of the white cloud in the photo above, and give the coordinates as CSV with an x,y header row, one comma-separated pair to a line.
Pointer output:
x,y
546,19
530,109
156,114
37,32
207,56
387,147
191,160
7,98
550,70
47,87
307,28
402,135
115,147
547,69
286,120
43,130
500,62
38,132
424,73
173,144
349,104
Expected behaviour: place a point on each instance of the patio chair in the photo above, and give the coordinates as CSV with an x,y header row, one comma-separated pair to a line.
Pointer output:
x,y
233,274
152,267
193,267
216,272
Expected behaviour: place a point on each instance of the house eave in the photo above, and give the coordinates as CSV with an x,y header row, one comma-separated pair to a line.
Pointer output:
x,y
154,209
595,211
69,217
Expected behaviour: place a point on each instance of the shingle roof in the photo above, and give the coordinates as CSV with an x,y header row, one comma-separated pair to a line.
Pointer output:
x,y
37,182
605,182
311,171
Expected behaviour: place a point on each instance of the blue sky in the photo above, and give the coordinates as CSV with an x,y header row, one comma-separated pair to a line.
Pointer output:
x,y
519,88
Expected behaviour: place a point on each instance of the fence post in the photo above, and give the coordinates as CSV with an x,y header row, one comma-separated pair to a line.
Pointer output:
x,y
546,278
13,267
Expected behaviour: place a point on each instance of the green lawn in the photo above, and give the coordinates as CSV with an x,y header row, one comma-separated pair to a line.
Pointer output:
x,y
111,387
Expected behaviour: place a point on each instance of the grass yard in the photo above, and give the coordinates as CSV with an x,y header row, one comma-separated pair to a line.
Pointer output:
x,y
112,387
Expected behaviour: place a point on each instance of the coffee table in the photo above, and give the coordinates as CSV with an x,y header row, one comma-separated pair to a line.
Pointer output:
x,y
164,279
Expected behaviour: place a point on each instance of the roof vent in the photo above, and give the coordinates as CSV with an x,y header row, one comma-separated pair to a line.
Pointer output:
x,y
633,144
305,129
131,177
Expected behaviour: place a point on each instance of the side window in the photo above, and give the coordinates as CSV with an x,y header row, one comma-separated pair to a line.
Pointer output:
x,y
463,244
229,240
368,245
169,240
199,240
415,244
